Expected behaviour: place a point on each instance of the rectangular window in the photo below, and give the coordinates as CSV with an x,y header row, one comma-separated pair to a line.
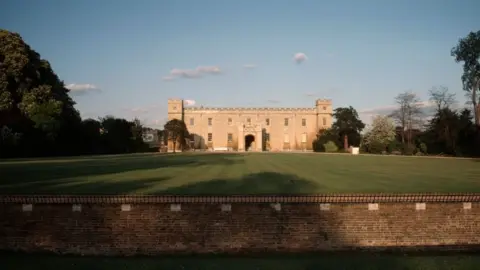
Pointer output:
x,y
209,121
304,122
304,137
230,137
249,121
286,138
324,121
286,122
210,137
229,121
267,121
192,121
267,137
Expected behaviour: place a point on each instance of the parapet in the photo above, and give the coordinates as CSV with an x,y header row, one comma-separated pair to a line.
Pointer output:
x,y
175,100
253,109
323,101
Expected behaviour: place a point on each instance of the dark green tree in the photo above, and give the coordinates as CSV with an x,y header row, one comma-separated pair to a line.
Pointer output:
x,y
347,125
468,51
34,103
176,132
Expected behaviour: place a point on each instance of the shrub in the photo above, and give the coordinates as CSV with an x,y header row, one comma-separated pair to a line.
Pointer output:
x,y
330,147
376,147
423,148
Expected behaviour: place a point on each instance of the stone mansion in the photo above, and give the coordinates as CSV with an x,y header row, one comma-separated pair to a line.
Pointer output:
x,y
252,129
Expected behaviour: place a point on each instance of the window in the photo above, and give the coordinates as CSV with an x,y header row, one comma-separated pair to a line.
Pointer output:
x,y
304,122
229,121
192,121
249,121
324,121
267,121
267,137
174,108
209,121
324,108
286,138
230,137
304,137
209,137
286,122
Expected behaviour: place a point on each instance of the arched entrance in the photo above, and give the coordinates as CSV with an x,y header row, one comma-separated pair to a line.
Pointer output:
x,y
249,142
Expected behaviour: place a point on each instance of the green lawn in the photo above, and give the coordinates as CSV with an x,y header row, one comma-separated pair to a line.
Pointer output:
x,y
251,173
304,262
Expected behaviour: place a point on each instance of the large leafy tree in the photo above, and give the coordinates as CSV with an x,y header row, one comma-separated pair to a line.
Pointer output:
x,y
177,132
468,51
33,101
348,126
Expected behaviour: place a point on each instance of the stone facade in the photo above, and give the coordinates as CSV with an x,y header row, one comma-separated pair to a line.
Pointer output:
x,y
253,129
177,228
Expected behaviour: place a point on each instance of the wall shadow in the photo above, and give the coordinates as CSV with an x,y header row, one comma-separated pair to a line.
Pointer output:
x,y
269,183
29,177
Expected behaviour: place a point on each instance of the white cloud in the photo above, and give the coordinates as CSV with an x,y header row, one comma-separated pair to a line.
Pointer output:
x,y
198,72
81,88
274,101
299,57
249,66
189,102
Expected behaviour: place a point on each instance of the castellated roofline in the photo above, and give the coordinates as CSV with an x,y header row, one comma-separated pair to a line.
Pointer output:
x,y
246,109
323,101
175,100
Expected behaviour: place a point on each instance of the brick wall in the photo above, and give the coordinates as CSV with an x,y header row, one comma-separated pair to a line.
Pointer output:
x,y
203,227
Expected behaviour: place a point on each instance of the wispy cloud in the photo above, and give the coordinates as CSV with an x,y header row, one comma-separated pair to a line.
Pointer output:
x,y
310,94
249,66
300,57
80,89
198,72
189,102
273,101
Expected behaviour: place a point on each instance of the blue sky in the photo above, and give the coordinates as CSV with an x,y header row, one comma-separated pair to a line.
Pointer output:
x,y
119,56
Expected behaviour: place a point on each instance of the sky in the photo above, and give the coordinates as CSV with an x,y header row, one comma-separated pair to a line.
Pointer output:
x,y
126,58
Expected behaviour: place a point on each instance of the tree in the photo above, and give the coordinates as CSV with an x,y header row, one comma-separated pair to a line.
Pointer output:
x,y
33,101
408,115
381,133
441,97
468,52
324,136
348,126
177,132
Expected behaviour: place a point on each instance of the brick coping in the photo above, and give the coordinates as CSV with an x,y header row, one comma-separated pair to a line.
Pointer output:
x,y
324,198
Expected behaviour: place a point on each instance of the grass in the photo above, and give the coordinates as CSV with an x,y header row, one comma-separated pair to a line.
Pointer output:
x,y
288,262
249,173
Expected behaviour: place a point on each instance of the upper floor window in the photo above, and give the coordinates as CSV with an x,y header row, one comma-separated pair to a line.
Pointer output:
x,y
304,122
230,121
267,121
192,121
209,121
285,122
324,108
324,121
249,120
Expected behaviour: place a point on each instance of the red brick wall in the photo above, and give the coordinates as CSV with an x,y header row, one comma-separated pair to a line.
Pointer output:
x,y
204,227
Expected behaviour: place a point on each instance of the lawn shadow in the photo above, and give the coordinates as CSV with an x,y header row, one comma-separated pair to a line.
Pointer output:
x,y
270,183
23,176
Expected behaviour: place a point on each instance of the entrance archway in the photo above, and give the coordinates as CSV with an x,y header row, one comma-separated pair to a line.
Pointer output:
x,y
249,142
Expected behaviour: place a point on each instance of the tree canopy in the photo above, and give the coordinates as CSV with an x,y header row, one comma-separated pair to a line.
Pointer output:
x,y
37,114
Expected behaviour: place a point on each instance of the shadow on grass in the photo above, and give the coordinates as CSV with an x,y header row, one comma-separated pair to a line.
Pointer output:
x,y
268,183
37,176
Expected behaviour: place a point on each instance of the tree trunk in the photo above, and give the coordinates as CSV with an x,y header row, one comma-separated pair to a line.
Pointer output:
x,y
345,142
174,146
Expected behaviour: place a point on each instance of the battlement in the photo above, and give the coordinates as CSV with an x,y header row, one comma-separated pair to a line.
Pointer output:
x,y
175,100
247,109
323,101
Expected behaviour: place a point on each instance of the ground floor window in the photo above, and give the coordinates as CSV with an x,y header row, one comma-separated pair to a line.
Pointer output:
x,y
209,137
229,137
